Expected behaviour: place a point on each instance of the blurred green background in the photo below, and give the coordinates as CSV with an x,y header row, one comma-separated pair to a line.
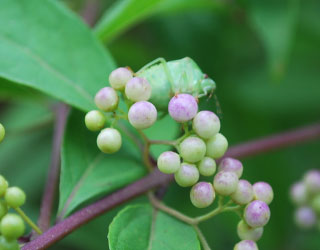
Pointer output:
x,y
265,59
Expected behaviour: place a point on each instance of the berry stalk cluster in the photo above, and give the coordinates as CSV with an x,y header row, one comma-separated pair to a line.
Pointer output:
x,y
305,194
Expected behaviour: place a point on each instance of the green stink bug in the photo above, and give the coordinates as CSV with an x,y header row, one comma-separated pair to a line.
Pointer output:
x,y
173,77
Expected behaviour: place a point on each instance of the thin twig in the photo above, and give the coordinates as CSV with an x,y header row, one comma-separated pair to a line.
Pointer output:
x,y
202,239
156,179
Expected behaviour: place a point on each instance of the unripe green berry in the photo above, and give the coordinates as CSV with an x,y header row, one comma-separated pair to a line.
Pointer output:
x,y
12,226
206,124
225,183
142,115
192,149
8,244
3,209
138,89
109,140
207,166
246,245
263,191
202,194
169,162
119,77
187,175
315,204
15,197
2,132
3,185
95,120
107,99
244,193
217,146
245,232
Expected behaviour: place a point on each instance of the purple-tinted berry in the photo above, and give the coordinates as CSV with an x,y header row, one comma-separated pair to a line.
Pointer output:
x,y
312,181
169,162
231,164
244,193
207,166
192,149
187,175
202,194
217,146
257,214
299,193
206,124
263,191
305,217
119,77
245,232
107,99
138,89
225,183
246,245
183,107
142,115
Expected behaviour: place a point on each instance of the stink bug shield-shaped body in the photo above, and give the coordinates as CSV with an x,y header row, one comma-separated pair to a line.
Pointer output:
x,y
174,77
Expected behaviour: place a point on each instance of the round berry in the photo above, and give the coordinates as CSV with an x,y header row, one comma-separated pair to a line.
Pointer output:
x,y
207,166
169,162
142,115
109,140
202,194
299,193
217,146
192,149
312,181
15,197
263,191
245,232
257,214
246,245
3,185
138,89
3,208
225,183
8,244
12,226
232,165
315,203
244,193
2,132
305,217
95,120
206,124
119,77
183,107
187,175
107,99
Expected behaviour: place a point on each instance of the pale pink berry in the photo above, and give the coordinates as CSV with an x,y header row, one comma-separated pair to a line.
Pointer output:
x,y
107,99
142,115
263,191
244,193
202,194
231,164
119,77
257,213
183,107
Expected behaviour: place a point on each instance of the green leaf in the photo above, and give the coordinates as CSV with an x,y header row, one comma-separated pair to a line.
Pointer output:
x,y
47,47
86,172
141,227
126,13
275,22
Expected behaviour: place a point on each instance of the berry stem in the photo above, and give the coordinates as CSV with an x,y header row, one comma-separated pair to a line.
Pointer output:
x,y
202,239
28,220
163,142
146,152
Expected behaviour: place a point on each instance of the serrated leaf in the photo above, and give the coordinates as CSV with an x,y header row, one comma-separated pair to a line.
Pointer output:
x,y
47,47
86,172
141,227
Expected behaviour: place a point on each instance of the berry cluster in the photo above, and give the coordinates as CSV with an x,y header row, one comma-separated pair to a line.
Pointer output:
x,y
136,92
11,225
305,194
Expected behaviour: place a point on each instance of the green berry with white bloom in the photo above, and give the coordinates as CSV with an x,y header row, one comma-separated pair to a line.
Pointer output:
x,y
192,149
202,194
95,120
119,77
207,166
138,89
169,162
217,146
187,175
245,232
109,140
107,99
206,124
225,183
